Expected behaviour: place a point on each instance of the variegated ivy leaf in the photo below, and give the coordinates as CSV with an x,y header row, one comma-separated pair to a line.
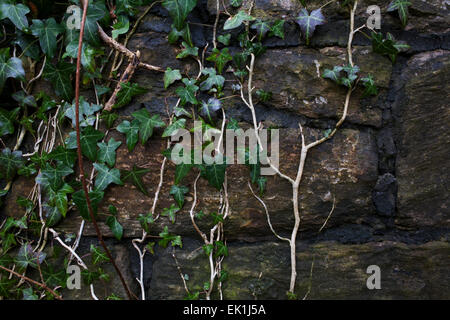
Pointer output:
x,y
402,7
309,22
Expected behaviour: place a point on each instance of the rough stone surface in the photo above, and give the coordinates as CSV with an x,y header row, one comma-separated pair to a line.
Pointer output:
x,y
423,140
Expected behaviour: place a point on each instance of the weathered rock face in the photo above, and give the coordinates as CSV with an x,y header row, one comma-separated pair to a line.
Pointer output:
x,y
423,140
387,168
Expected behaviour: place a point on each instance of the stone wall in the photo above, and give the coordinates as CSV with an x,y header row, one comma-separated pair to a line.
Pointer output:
x,y
387,168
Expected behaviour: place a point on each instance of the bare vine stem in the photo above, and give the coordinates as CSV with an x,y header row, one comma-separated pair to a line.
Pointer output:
x,y
304,150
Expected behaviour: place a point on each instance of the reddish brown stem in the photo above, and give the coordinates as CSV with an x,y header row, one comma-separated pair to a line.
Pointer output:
x,y
41,285
80,157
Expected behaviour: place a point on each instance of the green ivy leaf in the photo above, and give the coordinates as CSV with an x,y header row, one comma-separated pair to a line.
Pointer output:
x,y
96,11
236,3
89,138
224,39
187,51
215,174
52,177
7,119
47,31
107,152
59,198
261,28
9,68
87,54
221,249
98,255
208,249
388,46
233,124
187,93
220,58
178,193
121,27
309,22
9,163
145,221
24,99
370,87
16,13
28,44
79,199
109,118
52,215
171,212
167,237
59,76
170,76
237,20
212,80
115,227
127,92
333,74
63,155
106,176
277,29
135,176
174,127
28,294
181,170
179,10
131,130
402,7
147,123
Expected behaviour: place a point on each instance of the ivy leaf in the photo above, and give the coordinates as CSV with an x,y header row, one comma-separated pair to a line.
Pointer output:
x,y
86,112
333,74
215,174
224,39
402,7
107,152
9,68
109,118
29,295
28,45
173,128
16,13
87,55
309,22
98,255
167,237
210,108
277,29
236,3
181,170
59,198
7,119
147,123
208,249
52,177
369,84
388,46
217,218
178,193
89,138
26,257
221,249
47,32
96,11
106,176
212,80
131,130
261,27
170,212
170,76
135,176
63,155
59,76
9,163
145,220
187,51
52,215
121,27
187,93
220,58
233,124
54,278
24,99
127,92
115,227
179,10
264,96
237,20
79,199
